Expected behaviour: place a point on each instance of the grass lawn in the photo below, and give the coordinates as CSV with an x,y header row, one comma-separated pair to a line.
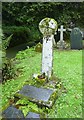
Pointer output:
x,y
67,65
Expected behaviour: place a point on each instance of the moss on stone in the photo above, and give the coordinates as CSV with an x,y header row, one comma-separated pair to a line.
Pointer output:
x,y
38,47
45,28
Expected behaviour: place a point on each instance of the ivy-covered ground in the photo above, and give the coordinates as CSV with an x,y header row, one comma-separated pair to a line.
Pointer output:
x,y
67,66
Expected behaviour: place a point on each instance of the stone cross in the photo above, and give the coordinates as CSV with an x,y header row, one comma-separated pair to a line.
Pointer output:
x,y
47,26
61,32
61,43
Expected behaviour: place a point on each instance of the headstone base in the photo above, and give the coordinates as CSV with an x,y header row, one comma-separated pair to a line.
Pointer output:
x,y
61,44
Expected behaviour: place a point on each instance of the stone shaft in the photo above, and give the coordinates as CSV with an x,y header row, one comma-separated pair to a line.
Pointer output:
x,y
47,55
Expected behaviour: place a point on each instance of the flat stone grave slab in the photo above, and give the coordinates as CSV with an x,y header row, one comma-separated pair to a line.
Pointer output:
x,y
41,96
33,115
12,112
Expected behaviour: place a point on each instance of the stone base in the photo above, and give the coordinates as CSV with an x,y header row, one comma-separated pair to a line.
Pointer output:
x,y
61,44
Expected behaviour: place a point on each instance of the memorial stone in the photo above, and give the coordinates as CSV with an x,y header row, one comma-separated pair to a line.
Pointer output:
x,y
36,95
61,43
33,115
76,38
12,112
48,27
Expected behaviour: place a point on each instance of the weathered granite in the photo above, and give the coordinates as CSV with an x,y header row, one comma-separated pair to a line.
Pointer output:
x,y
38,95
33,115
12,112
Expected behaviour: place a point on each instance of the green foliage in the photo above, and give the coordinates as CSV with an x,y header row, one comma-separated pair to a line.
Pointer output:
x,y
31,13
1,36
8,71
25,54
27,106
6,42
38,47
21,34
65,67
35,34
7,67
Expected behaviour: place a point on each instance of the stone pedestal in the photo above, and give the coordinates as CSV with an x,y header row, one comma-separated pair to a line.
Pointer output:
x,y
61,44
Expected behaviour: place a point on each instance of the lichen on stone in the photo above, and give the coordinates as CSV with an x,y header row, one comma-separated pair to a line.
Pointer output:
x,y
48,26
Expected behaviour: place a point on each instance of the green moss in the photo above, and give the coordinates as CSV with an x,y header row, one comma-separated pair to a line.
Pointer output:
x,y
44,26
38,47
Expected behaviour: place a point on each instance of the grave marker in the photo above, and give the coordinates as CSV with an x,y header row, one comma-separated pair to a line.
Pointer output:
x,y
41,96
12,112
61,43
48,27
76,38
33,115
61,32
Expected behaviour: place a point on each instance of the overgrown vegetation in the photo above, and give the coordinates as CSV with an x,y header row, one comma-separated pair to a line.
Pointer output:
x,y
22,34
8,71
67,67
22,19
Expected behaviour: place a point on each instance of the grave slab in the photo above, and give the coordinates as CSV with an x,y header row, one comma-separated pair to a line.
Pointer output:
x,y
33,115
40,96
12,112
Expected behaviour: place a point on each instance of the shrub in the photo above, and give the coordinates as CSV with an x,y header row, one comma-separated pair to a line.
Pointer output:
x,y
8,71
21,34
7,67
6,42
1,36
30,44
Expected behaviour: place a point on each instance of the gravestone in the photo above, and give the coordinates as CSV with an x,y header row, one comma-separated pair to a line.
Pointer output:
x,y
61,44
33,115
12,112
38,95
47,27
76,38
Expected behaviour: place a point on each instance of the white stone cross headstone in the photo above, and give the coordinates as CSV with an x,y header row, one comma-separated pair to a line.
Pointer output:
x,y
61,43
61,32
47,26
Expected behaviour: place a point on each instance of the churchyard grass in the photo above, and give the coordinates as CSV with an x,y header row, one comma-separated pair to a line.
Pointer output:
x,y
67,66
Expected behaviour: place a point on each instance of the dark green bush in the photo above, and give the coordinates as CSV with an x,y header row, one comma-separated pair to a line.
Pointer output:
x,y
36,34
6,42
30,44
21,34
